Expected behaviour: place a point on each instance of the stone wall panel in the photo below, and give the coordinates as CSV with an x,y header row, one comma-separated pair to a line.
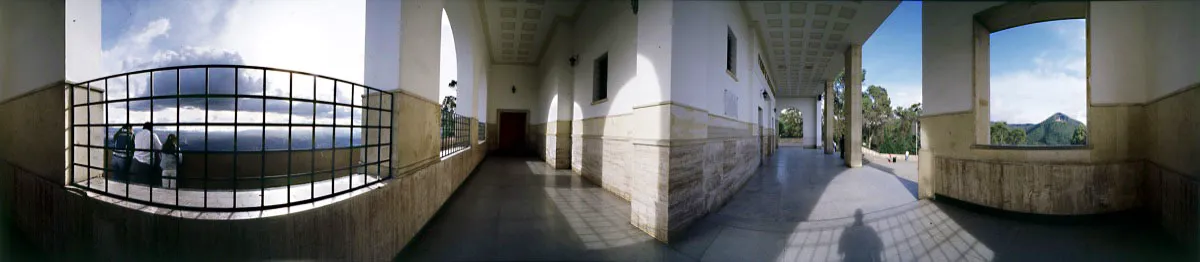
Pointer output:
x,y
1057,189
372,226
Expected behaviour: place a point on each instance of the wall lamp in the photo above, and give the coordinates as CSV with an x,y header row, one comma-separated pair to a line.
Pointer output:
x,y
514,89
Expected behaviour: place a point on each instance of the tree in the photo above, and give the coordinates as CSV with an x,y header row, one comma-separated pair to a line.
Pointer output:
x,y
839,105
449,103
877,111
1080,136
791,124
1002,134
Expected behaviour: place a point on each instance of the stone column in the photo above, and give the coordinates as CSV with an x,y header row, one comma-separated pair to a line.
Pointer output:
x,y
829,95
854,114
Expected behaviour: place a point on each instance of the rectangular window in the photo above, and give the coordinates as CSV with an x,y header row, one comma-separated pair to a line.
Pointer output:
x,y
600,79
1015,70
731,53
731,104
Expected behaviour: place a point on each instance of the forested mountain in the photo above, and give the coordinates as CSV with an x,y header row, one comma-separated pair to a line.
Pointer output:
x,y
1056,130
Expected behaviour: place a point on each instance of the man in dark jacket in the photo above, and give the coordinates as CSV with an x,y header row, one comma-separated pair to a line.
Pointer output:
x,y
122,153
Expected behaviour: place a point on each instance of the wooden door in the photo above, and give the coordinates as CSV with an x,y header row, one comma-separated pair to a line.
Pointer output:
x,y
512,132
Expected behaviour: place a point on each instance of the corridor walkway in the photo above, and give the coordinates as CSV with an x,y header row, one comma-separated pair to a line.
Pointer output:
x,y
518,209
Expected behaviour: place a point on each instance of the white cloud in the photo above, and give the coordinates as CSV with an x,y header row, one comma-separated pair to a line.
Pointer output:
x,y
1030,96
1051,82
904,94
153,30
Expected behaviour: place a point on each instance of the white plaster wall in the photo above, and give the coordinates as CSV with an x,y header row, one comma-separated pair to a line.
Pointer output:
x,y
555,75
607,26
1172,38
501,79
1118,61
32,45
382,61
471,45
420,47
698,62
947,55
83,40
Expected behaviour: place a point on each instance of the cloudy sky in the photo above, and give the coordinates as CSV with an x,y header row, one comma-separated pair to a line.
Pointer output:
x,y
316,36
1036,70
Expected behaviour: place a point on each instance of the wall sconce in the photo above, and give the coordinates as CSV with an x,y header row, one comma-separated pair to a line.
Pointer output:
x,y
574,59
514,89
765,95
453,83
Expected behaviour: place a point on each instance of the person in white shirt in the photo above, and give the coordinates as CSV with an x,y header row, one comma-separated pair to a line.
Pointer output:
x,y
146,157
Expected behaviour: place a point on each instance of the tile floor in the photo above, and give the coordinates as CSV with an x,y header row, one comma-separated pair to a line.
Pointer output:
x,y
800,206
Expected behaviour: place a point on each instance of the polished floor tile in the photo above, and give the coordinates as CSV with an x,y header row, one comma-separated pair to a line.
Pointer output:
x,y
801,205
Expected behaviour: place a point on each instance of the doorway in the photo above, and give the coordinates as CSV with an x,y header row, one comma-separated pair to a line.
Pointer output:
x,y
762,150
512,133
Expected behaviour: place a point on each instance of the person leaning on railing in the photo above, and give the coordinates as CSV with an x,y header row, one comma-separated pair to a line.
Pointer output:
x,y
145,164
170,160
122,152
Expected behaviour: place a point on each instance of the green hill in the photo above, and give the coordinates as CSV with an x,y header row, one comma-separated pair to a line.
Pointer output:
x,y
1056,130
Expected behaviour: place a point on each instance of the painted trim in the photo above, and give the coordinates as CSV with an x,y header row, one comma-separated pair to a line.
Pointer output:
x,y
672,103
1116,105
1031,148
1039,162
55,84
1046,11
1173,93
415,96
606,116
1152,101
923,116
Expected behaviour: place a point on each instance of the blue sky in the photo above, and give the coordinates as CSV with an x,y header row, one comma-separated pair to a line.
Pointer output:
x,y
1036,70
892,56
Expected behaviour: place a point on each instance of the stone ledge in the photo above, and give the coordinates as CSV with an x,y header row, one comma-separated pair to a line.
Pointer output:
x,y
1041,188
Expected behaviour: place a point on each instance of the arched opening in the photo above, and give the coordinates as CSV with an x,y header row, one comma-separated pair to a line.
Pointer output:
x,y
791,123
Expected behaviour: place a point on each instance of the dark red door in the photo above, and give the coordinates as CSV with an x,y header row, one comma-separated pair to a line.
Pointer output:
x,y
512,132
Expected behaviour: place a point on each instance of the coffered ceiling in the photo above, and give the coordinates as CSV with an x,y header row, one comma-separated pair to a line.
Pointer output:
x,y
805,40
517,29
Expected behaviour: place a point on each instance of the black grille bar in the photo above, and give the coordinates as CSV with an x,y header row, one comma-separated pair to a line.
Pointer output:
x,y
194,183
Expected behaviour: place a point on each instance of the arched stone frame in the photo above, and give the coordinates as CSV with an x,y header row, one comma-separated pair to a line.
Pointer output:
x,y
1007,16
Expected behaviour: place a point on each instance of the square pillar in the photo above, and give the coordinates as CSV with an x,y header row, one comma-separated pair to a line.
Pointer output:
x,y
829,95
404,40
854,114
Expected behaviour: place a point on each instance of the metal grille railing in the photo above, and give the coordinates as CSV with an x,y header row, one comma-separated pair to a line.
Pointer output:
x,y
239,137
456,132
482,131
